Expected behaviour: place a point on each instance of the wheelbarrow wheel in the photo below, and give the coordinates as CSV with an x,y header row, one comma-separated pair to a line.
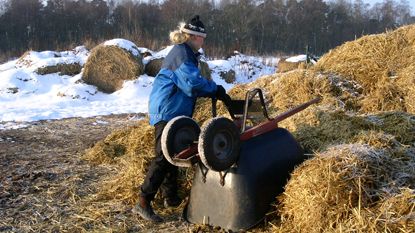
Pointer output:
x,y
219,144
179,133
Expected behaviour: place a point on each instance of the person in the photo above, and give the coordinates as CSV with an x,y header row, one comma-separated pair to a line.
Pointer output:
x,y
175,90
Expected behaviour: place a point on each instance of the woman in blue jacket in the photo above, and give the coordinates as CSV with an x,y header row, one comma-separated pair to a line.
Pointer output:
x,y
175,90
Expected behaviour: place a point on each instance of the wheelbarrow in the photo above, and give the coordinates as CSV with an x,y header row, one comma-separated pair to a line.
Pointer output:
x,y
239,170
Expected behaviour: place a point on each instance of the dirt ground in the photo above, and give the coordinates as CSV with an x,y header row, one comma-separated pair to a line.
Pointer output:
x,y
45,186
44,182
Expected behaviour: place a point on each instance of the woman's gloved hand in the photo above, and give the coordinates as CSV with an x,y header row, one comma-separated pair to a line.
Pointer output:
x,y
221,95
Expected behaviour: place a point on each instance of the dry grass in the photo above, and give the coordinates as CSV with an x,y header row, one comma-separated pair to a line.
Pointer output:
x,y
108,67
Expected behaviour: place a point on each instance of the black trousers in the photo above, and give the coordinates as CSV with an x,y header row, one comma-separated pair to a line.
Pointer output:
x,y
161,173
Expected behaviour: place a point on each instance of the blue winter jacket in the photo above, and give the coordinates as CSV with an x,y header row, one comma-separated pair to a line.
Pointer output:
x,y
177,85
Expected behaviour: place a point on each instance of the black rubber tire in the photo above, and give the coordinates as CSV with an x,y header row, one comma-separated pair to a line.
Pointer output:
x,y
178,134
219,144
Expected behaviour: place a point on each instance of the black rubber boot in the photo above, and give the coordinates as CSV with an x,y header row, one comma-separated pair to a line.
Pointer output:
x,y
144,209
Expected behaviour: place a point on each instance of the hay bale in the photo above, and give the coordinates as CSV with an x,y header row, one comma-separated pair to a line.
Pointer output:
x,y
62,68
285,66
344,188
55,63
229,76
205,70
109,66
153,67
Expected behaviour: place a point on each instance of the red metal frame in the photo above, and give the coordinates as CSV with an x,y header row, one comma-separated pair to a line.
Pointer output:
x,y
254,131
273,124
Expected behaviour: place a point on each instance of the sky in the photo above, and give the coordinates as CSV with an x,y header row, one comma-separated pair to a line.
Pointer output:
x,y
411,3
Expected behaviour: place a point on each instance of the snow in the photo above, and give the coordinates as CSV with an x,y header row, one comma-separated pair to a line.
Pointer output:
x,y
298,58
125,44
26,96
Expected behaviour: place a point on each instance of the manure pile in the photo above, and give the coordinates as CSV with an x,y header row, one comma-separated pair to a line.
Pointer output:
x,y
361,176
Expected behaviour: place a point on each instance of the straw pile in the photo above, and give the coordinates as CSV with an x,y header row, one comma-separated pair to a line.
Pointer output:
x,y
318,128
351,187
382,64
131,148
122,142
109,66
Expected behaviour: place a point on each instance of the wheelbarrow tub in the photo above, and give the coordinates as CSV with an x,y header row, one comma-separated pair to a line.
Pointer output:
x,y
249,187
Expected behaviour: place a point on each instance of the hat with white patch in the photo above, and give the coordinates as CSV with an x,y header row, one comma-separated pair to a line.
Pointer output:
x,y
194,27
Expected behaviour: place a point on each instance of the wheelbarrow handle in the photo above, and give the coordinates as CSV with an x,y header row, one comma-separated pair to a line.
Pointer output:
x,y
248,98
273,124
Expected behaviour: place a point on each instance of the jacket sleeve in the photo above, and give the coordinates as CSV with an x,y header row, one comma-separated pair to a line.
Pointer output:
x,y
190,81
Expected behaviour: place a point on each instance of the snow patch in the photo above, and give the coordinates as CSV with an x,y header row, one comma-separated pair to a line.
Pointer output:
x,y
125,44
299,58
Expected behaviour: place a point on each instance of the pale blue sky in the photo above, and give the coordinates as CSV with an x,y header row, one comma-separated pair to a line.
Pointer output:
x,y
411,3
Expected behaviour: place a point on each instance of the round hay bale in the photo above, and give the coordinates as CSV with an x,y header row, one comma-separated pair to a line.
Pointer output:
x,y
108,67
153,67
343,188
62,68
228,76
205,70
285,66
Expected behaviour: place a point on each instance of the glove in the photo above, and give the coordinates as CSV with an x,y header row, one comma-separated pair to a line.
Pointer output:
x,y
221,95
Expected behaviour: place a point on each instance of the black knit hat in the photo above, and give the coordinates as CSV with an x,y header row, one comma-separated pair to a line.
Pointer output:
x,y
194,27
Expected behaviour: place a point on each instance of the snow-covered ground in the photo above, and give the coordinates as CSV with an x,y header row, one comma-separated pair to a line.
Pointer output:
x,y
26,96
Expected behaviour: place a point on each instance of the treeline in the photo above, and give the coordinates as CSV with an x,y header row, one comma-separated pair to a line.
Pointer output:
x,y
250,26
